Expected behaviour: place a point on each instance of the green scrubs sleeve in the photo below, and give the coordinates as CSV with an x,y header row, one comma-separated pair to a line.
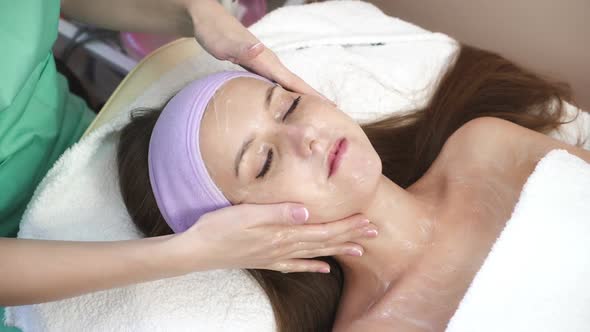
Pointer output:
x,y
39,118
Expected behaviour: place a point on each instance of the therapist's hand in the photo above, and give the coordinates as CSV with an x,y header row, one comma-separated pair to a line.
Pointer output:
x,y
224,37
273,237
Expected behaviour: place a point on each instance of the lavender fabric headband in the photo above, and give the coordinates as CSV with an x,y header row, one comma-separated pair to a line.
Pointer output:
x,y
183,188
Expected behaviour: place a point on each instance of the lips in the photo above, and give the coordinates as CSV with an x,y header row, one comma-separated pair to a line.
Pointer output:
x,y
335,156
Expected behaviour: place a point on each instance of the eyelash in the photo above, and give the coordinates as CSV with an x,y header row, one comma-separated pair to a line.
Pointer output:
x,y
270,154
292,108
266,166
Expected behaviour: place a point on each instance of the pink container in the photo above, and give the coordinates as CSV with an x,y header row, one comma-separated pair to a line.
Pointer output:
x,y
255,9
138,45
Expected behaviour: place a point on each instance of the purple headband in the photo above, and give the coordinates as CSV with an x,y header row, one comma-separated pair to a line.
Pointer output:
x,y
180,182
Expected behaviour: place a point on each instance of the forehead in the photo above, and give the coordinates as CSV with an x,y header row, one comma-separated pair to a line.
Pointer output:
x,y
232,115
240,96
233,106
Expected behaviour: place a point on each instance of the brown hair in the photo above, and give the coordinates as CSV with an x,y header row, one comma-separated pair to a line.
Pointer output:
x,y
478,84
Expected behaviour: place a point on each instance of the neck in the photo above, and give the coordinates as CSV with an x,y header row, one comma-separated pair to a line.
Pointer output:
x,y
405,220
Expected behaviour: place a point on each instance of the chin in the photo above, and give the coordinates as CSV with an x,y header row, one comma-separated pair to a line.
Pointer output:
x,y
366,177
355,186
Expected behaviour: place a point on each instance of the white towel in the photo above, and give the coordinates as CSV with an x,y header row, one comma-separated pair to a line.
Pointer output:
x,y
369,63
536,278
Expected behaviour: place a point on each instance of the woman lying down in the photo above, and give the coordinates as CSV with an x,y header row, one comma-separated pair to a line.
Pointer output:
x,y
439,183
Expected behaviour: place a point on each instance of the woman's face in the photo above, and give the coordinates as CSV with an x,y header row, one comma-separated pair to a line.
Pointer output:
x,y
264,144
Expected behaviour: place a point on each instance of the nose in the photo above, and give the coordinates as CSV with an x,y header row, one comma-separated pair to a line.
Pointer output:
x,y
302,139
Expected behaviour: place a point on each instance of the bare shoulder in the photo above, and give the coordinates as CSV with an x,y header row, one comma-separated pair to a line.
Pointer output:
x,y
382,325
482,136
486,125
487,139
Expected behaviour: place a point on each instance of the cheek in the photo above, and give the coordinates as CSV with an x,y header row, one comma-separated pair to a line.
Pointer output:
x,y
364,172
284,186
328,201
325,201
350,192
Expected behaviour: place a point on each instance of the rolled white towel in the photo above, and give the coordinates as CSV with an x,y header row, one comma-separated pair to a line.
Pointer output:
x,y
536,276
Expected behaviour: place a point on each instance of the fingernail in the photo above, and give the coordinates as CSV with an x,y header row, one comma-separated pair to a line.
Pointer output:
x,y
300,215
354,252
371,233
254,50
364,222
324,270
253,47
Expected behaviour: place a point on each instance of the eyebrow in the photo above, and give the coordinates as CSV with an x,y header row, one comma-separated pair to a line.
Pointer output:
x,y
240,155
269,95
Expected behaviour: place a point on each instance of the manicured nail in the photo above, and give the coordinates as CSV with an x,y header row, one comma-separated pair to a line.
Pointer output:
x,y
371,233
300,215
364,222
354,252
254,50
324,270
255,46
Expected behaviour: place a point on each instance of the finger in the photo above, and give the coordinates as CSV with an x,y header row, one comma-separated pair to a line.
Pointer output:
x,y
292,82
244,53
347,249
348,244
253,215
346,241
301,265
263,61
365,232
251,52
328,231
267,64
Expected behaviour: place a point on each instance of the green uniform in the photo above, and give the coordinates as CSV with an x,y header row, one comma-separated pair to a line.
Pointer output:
x,y
39,118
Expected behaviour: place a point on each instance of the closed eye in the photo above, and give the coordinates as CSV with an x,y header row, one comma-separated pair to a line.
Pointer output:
x,y
266,166
269,156
292,108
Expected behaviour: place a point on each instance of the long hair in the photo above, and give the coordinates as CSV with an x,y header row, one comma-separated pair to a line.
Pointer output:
x,y
478,84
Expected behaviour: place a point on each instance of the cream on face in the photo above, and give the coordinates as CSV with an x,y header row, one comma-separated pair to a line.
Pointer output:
x,y
264,144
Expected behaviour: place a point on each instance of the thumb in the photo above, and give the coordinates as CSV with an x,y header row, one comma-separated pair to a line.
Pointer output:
x,y
265,63
250,52
241,53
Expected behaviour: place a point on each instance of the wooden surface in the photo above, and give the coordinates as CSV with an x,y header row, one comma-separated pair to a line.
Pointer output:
x,y
141,77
